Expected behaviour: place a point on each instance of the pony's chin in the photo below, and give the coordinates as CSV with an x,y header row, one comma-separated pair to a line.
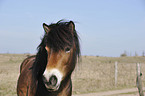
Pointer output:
x,y
51,89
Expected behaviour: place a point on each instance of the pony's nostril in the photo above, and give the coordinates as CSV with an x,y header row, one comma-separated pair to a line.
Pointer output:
x,y
53,80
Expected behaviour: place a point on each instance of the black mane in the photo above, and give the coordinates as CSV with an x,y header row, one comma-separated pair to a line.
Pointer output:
x,y
58,38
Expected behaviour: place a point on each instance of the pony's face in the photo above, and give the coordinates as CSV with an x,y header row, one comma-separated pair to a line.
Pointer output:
x,y
60,63
58,67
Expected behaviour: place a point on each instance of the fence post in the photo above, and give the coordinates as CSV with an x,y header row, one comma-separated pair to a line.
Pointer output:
x,y
138,80
116,71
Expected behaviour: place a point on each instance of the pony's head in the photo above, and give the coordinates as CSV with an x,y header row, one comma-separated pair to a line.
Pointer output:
x,y
60,46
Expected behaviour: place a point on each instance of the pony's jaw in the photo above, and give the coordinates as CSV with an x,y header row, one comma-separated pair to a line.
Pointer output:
x,y
54,83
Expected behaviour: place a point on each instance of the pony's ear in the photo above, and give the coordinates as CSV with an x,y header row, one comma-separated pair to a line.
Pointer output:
x,y
46,28
71,26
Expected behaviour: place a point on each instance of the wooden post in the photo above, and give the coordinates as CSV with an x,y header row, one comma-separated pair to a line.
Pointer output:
x,y
138,80
116,71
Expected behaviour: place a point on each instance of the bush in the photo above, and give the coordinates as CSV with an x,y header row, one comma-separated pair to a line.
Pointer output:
x,y
123,55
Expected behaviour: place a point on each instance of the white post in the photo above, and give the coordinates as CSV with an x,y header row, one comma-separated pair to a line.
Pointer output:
x,y
116,71
138,80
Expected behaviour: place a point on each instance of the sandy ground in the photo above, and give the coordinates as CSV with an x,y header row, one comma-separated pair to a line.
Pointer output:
x,y
123,92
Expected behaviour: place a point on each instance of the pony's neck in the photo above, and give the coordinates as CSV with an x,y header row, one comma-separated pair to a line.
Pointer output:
x,y
66,88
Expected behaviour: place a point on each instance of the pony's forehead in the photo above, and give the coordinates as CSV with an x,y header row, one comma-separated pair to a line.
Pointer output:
x,y
59,39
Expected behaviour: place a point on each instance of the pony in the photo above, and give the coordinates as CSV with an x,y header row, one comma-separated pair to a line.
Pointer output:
x,y
48,73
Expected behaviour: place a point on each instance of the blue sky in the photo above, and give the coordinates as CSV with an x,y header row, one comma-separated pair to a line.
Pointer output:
x,y
106,27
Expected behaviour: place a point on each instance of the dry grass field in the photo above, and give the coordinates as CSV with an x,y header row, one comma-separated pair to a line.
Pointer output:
x,y
92,74
9,71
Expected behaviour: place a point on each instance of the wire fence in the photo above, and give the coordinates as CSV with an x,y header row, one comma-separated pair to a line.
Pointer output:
x,y
95,76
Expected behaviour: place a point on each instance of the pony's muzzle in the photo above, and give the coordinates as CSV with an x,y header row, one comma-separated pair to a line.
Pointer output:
x,y
51,84
52,80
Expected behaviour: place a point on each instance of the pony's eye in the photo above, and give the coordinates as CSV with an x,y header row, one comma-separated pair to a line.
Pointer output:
x,y
67,50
